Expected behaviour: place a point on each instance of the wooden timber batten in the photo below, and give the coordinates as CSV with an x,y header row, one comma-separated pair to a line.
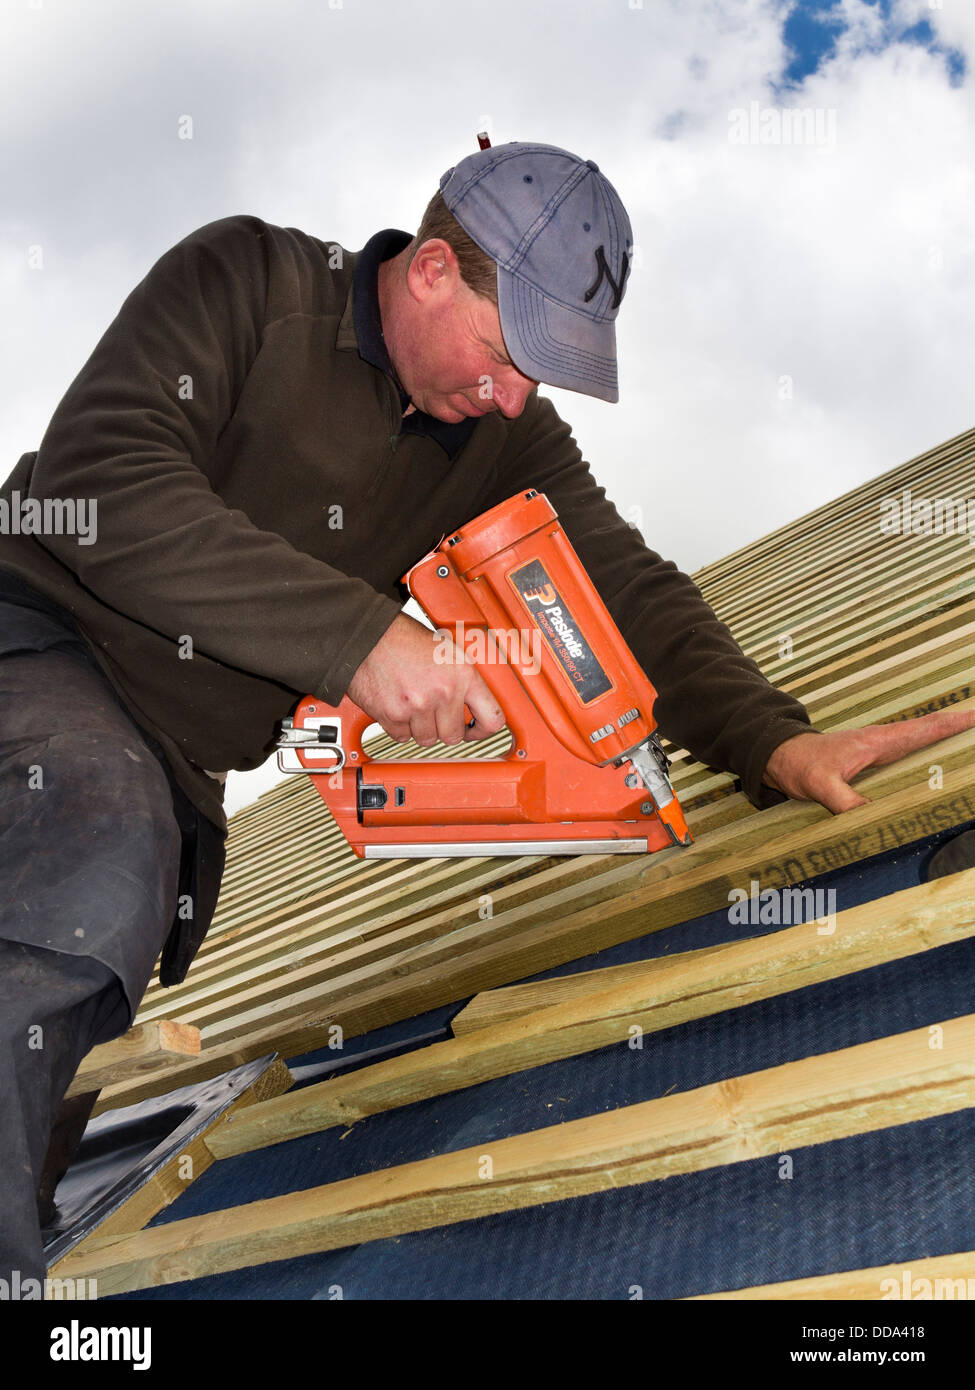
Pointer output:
x,y
860,625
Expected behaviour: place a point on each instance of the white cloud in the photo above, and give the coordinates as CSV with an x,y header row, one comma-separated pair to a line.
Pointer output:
x,y
845,268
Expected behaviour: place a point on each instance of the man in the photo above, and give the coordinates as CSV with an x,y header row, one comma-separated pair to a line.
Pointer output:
x,y
270,433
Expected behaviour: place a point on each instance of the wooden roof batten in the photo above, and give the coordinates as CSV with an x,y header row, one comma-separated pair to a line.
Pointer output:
x,y
861,626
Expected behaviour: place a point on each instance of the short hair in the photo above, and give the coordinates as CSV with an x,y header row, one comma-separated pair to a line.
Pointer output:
x,y
478,271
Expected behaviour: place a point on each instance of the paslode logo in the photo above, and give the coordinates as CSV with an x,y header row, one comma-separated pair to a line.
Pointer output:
x,y
541,593
546,595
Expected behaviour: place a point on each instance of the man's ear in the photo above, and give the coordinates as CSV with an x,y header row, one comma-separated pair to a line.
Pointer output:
x,y
434,269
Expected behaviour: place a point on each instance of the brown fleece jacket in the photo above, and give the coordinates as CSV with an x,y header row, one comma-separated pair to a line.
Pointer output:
x,y
260,493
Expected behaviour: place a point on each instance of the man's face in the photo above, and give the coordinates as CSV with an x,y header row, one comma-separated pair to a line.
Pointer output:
x,y
452,360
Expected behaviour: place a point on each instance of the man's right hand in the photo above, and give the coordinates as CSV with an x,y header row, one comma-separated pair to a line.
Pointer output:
x,y
416,685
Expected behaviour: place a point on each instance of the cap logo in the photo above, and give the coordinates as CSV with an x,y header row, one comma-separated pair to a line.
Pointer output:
x,y
603,269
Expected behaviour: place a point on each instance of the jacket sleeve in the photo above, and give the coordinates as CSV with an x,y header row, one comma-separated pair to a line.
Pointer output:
x,y
135,433
712,699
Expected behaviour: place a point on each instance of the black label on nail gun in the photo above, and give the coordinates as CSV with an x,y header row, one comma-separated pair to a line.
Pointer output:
x,y
554,620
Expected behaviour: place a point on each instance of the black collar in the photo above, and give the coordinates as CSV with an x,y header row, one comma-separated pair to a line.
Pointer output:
x,y
372,345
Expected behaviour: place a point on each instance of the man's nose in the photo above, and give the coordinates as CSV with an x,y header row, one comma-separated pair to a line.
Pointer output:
x,y
511,394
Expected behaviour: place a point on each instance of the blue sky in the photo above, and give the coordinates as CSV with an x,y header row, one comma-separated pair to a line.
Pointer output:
x,y
813,27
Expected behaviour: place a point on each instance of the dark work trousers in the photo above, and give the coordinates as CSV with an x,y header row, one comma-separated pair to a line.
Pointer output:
x,y
89,878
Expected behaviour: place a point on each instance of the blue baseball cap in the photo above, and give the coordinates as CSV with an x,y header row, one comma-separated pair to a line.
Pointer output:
x,y
563,243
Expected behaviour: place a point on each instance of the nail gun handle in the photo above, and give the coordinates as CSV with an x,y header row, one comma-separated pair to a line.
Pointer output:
x,y
353,724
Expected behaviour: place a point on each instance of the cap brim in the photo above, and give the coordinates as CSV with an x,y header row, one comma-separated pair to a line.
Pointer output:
x,y
552,343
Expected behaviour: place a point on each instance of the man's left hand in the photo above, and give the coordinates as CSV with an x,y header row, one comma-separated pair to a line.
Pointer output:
x,y
820,767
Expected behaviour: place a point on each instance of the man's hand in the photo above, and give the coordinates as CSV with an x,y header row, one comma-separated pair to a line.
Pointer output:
x,y
416,686
820,767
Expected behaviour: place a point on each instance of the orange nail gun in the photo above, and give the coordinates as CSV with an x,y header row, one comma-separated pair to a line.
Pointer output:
x,y
584,774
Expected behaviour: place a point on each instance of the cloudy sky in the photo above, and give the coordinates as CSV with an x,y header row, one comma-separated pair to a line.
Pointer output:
x,y
799,316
